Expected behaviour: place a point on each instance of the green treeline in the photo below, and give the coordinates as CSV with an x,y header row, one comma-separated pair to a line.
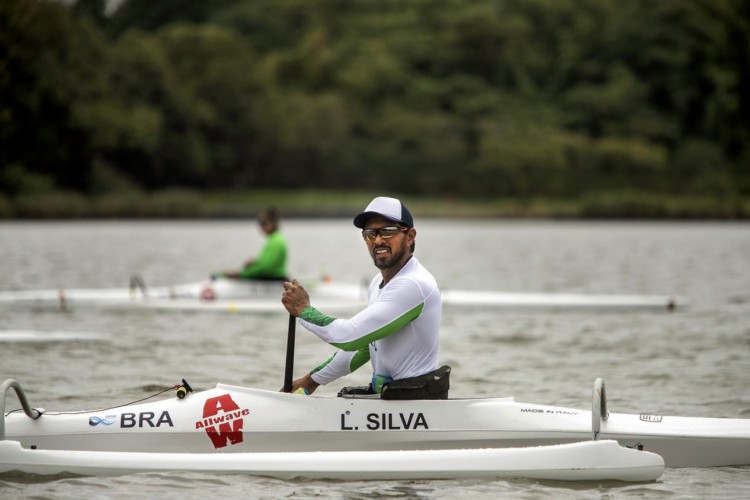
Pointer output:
x,y
457,99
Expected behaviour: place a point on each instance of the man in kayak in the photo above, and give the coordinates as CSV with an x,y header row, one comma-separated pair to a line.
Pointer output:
x,y
271,261
398,331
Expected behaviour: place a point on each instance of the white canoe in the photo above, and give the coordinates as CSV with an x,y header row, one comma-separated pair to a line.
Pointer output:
x,y
589,460
204,291
219,295
232,419
230,295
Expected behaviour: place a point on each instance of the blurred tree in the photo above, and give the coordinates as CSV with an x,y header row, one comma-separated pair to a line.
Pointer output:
x,y
520,98
46,63
94,10
269,26
148,15
219,93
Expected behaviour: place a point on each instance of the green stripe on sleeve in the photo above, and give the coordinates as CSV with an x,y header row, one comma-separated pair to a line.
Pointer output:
x,y
324,364
312,315
380,333
361,357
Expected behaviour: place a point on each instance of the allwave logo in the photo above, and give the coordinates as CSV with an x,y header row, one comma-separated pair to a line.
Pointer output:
x,y
107,420
222,420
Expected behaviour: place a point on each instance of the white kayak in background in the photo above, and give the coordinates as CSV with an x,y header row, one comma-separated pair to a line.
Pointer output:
x,y
231,295
230,419
32,336
221,294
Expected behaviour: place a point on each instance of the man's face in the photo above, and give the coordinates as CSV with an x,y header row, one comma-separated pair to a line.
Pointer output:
x,y
390,250
267,223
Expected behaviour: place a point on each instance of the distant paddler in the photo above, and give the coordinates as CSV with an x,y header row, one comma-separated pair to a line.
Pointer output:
x,y
270,264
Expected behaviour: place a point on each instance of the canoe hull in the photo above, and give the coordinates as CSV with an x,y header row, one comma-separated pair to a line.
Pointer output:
x,y
231,419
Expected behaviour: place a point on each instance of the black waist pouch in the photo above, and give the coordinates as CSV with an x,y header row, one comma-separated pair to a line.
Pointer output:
x,y
433,385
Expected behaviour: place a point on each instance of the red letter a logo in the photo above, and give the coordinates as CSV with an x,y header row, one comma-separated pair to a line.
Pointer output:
x,y
224,403
231,430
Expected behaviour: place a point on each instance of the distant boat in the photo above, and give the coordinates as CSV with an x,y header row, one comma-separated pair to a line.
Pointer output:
x,y
234,295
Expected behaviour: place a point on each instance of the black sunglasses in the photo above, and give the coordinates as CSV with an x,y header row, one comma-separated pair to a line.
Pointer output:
x,y
383,232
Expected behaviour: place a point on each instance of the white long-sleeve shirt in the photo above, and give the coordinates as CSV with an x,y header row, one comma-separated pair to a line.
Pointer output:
x,y
398,331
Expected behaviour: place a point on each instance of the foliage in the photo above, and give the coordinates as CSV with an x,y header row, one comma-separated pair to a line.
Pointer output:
x,y
518,99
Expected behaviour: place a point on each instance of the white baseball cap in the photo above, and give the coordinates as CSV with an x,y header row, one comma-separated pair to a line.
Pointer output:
x,y
390,208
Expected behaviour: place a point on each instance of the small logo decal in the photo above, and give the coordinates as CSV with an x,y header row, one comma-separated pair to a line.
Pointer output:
x,y
651,418
107,420
223,421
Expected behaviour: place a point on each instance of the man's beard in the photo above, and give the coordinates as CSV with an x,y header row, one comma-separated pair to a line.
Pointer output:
x,y
396,257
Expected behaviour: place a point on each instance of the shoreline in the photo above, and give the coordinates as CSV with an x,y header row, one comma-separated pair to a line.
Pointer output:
x,y
193,204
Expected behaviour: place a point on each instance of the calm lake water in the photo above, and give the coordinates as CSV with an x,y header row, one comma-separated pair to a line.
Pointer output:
x,y
693,361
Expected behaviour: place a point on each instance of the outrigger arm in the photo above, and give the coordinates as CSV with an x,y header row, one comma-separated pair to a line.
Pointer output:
x,y
21,394
598,407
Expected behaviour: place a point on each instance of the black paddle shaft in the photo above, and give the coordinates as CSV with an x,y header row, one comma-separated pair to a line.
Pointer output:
x,y
289,355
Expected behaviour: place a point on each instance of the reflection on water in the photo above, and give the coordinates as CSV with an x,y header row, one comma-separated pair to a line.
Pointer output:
x,y
693,361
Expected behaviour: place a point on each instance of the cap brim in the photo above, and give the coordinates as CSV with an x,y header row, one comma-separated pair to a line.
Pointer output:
x,y
361,219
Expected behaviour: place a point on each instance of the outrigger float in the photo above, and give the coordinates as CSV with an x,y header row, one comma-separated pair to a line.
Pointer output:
x,y
237,429
232,295
585,461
